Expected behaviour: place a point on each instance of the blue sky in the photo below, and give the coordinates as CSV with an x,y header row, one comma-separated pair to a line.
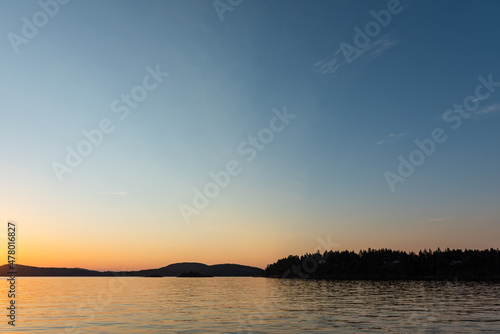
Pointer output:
x,y
322,175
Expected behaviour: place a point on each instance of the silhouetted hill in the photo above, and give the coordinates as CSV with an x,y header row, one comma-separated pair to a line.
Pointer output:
x,y
36,271
171,270
225,269
388,265
193,274
214,270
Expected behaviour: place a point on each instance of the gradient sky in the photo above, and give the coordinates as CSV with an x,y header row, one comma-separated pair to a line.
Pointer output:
x,y
321,177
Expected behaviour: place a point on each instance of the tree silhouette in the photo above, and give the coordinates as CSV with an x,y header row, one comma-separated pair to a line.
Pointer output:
x,y
390,264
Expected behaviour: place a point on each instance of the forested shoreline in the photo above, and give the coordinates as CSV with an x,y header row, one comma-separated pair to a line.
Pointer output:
x,y
387,264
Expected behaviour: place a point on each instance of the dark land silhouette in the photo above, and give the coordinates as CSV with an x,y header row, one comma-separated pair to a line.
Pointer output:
x,y
193,274
175,269
387,264
382,264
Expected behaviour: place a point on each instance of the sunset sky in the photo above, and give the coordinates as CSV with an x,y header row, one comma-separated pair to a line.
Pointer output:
x,y
318,181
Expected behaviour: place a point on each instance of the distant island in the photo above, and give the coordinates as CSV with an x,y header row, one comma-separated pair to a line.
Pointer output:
x,y
172,270
193,274
386,264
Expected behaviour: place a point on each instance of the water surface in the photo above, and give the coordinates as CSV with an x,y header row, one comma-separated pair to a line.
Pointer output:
x,y
250,305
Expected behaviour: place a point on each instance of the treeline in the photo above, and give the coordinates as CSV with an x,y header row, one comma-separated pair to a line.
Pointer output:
x,y
390,264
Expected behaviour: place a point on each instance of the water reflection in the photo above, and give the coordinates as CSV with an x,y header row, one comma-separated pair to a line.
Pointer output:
x,y
252,305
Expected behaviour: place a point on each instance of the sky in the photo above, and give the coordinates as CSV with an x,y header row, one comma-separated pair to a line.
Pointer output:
x,y
142,133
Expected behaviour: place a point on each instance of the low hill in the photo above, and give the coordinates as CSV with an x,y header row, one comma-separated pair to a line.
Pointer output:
x,y
36,271
214,270
171,270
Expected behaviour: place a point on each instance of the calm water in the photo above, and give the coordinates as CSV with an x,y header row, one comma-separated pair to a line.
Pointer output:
x,y
250,305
